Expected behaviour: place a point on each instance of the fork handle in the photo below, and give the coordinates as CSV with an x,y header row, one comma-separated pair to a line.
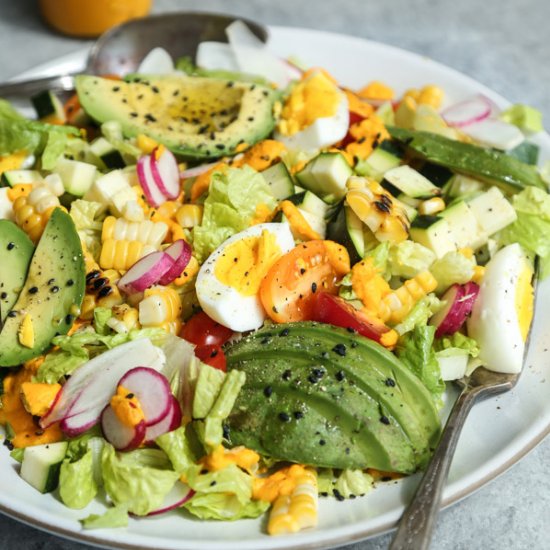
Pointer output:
x,y
418,521
29,87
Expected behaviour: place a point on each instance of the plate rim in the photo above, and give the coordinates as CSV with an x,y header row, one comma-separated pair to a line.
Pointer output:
x,y
79,57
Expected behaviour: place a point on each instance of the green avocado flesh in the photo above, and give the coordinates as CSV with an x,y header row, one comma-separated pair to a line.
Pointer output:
x,y
320,395
52,293
196,117
15,255
479,162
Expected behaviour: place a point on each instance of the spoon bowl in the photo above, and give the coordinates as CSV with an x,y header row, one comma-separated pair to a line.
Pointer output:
x,y
121,49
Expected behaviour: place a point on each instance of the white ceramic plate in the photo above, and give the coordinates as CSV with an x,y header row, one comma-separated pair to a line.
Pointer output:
x,y
498,433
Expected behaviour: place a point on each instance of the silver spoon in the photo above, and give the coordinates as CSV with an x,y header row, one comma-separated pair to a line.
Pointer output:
x,y
121,49
418,520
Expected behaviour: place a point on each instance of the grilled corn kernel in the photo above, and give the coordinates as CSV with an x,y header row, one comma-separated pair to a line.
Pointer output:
x,y
431,206
161,307
430,95
121,255
146,232
189,215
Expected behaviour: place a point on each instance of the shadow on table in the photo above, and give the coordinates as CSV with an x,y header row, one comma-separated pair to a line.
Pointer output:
x,y
23,13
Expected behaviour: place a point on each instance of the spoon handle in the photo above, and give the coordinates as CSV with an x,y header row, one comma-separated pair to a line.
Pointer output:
x,y
35,85
418,521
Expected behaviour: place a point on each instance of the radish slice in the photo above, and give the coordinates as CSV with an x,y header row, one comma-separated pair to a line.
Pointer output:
x,y
495,133
180,252
197,170
177,497
157,61
254,57
459,303
152,390
145,272
216,56
93,384
166,173
170,422
152,193
120,436
467,112
73,426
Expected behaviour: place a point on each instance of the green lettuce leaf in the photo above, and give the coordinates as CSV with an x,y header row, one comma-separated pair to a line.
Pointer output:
x,y
179,449
101,316
117,516
54,149
58,364
419,314
230,207
415,350
408,258
77,486
352,483
452,268
225,494
88,218
380,256
457,341
138,480
532,227
526,118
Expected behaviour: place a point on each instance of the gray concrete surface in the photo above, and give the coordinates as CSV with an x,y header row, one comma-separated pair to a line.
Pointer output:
x,y
501,43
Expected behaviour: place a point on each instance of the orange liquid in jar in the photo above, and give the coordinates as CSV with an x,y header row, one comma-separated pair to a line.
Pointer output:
x,y
88,18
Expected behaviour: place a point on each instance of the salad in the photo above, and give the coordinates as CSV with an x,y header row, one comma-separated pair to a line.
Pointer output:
x,y
230,288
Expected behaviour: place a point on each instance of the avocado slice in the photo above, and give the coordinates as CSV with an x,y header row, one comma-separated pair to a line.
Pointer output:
x,y
16,251
52,293
318,394
196,117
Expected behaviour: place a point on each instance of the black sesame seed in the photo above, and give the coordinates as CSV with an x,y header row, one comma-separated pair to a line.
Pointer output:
x,y
220,146
319,372
214,353
287,374
347,451
385,420
226,431
302,270
70,282
340,375
213,482
116,88
322,442
155,89
340,349
283,417
12,313
354,344
4,295
69,319
390,382
313,287
51,281
54,289
10,246
298,415
33,290
338,495
133,115
386,478
150,117
129,396
8,444
265,340
268,390
351,330
284,332
325,355
313,379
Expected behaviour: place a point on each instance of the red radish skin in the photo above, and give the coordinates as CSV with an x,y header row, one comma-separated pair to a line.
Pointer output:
x,y
152,193
177,497
75,425
165,172
120,436
93,384
146,272
180,252
467,112
152,390
459,303
170,422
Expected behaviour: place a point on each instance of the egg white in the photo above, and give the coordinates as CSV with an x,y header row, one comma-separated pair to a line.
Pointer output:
x,y
225,304
323,132
494,321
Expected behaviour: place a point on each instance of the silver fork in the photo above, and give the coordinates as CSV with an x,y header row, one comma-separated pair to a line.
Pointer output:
x,y
418,520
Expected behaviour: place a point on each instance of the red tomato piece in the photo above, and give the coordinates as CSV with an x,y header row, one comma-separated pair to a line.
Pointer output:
x,y
334,310
212,355
201,330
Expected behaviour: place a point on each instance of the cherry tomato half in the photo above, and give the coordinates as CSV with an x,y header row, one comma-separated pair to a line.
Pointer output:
x,y
212,355
336,311
201,330
288,290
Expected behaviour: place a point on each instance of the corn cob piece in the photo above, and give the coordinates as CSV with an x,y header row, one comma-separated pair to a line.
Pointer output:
x,y
146,231
297,510
395,306
189,215
378,209
161,307
125,318
123,254
32,209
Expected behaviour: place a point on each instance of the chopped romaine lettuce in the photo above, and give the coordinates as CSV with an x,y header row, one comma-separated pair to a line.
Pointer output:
x,y
77,486
138,480
526,118
453,268
419,314
179,449
408,258
230,207
117,516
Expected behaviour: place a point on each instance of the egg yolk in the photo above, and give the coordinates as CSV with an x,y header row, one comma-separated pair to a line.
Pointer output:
x,y
524,301
312,98
244,263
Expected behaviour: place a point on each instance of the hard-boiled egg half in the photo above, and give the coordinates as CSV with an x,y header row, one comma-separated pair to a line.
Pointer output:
x,y
314,115
503,310
229,280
